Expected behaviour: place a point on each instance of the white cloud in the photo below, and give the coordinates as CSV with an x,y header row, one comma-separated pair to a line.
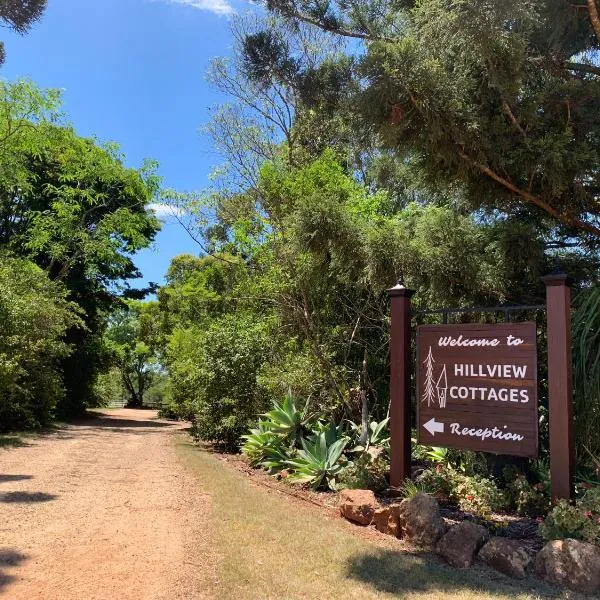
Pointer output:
x,y
218,7
164,211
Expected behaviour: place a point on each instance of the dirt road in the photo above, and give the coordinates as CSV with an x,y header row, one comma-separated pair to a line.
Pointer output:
x,y
103,509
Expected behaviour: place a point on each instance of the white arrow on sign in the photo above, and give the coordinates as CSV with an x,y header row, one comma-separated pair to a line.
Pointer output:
x,y
434,426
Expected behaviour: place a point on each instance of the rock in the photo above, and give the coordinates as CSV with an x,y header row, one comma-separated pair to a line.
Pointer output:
x,y
420,520
506,556
385,520
571,563
461,543
358,505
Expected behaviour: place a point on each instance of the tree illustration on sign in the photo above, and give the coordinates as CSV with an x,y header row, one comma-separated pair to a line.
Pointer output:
x,y
429,394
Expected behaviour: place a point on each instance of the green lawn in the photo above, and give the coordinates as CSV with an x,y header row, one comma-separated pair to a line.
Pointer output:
x,y
271,547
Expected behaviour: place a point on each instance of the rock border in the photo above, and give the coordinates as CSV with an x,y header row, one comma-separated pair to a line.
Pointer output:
x,y
570,563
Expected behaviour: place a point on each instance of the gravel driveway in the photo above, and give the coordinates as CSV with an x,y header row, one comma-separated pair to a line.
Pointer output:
x,y
103,509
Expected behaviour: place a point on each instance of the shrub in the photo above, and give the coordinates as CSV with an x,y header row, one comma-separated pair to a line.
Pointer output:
x,y
34,316
527,499
261,442
478,494
214,375
472,493
567,521
438,482
366,472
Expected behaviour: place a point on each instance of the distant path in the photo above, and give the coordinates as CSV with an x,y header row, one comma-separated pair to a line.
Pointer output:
x,y
103,509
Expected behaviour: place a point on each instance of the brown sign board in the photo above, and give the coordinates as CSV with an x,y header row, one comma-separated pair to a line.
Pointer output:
x,y
477,387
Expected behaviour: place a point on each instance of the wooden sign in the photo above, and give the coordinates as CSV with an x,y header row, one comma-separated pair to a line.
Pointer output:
x,y
477,387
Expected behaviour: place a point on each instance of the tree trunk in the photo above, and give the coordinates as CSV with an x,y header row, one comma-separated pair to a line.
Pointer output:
x,y
364,436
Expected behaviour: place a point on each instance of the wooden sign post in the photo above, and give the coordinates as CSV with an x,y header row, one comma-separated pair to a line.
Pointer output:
x,y
560,390
400,384
477,387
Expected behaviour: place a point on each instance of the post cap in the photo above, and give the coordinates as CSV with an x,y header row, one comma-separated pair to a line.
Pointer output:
x,y
400,290
557,279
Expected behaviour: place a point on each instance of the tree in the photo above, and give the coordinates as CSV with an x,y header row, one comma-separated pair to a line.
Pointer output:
x,y
132,340
498,97
20,15
71,206
429,391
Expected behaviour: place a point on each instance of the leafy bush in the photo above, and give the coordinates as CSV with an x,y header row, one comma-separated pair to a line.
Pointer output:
x,y
214,376
438,482
527,499
568,521
34,316
478,494
472,493
366,472
109,388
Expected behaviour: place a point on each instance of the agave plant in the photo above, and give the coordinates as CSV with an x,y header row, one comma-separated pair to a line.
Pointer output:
x,y
379,434
286,420
259,442
318,461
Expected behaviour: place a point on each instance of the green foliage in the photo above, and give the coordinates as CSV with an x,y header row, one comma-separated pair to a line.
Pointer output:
x,y
378,435
72,207
285,420
216,372
472,493
132,341
109,389
365,472
580,522
318,462
438,482
505,114
478,495
437,455
34,316
260,443
411,488
527,499
586,362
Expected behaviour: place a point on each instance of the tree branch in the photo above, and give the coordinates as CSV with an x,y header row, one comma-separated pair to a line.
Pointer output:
x,y
594,17
591,69
337,30
511,117
532,198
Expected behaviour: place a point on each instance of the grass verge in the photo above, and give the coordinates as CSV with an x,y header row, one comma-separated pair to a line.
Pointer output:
x,y
272,547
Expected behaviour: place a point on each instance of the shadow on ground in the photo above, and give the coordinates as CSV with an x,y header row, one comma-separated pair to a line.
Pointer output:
x,y
400,573
9,558
106,421
4,477
26,497
12,441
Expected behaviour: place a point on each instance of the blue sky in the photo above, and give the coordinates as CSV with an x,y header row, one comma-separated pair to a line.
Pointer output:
x,y
133,71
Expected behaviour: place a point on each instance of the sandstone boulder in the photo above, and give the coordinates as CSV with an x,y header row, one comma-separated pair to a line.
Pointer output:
x,y
571,563
386,520
420,521
507,556
358,505
461,543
